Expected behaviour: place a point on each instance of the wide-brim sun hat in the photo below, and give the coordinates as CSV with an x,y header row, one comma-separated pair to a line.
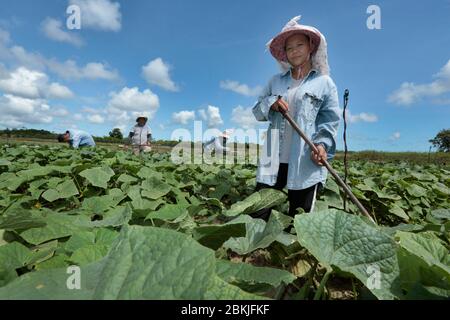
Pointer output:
x,y
141,117
277,45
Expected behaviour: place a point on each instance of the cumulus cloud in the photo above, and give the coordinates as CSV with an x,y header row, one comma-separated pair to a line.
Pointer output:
x,y
4,36
183,117
362,117
19,111
211,116
239,88
124,106
68,69
243,117
60,113
89,110
131,99
95,118
78,117
410,93
32,84
395,136
58,91
156,72
53,30
102,15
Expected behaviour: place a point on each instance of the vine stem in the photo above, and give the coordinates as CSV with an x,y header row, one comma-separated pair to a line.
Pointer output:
x,y
324,280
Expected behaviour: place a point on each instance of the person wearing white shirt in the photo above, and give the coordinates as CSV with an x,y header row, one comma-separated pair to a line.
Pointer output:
x,y
140,136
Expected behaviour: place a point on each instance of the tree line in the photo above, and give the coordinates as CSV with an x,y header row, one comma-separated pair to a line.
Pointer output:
x,y
115,136
441,141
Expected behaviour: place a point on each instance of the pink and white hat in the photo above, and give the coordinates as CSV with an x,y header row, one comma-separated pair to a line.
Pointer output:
x,y
317,41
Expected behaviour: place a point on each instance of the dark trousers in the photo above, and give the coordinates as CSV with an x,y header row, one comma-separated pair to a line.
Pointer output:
x,y
297,198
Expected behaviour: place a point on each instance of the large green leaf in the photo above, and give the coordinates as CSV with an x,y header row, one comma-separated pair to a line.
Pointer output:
x,y
265,198
424,262
21,220
416,190
213,236
144,263
154,188
168,212
64,190
338,239
88,254
221,290
58,225
260,235
244,272
112,218
98,176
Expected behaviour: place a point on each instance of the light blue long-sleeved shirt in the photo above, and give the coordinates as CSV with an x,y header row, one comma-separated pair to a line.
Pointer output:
x,y
215,144
80,138
316,111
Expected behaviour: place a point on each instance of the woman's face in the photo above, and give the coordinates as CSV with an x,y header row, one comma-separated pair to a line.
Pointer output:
x,y
298,50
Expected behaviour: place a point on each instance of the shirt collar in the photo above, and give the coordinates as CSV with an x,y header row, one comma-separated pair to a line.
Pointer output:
x,y
313,70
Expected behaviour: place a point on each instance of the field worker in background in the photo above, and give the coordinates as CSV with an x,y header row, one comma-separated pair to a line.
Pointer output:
x,y
77,138
140,136
306,91
218,143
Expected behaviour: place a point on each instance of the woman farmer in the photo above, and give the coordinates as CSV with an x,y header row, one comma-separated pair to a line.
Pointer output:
x,y
305,90
218,143
141,136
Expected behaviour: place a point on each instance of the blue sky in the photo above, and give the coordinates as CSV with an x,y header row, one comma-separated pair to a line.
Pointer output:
x,y
173,59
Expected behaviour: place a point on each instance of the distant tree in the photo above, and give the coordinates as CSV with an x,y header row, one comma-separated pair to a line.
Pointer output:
x,y
442,140
116,133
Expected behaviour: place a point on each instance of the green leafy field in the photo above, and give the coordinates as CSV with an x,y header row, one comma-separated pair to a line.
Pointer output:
x,y
145,228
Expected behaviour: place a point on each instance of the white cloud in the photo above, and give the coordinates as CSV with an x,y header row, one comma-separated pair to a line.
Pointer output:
x,y
19,111
4,36
58,91
95,118
156,72
243,117
395,136
52,29
60,113
31,60
78,117
32,84
240,88
211,116
131,99
183,117
202,114
90,110
125,106
23,82
102,15
410,93
24,98
68,69
71,71
362,117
